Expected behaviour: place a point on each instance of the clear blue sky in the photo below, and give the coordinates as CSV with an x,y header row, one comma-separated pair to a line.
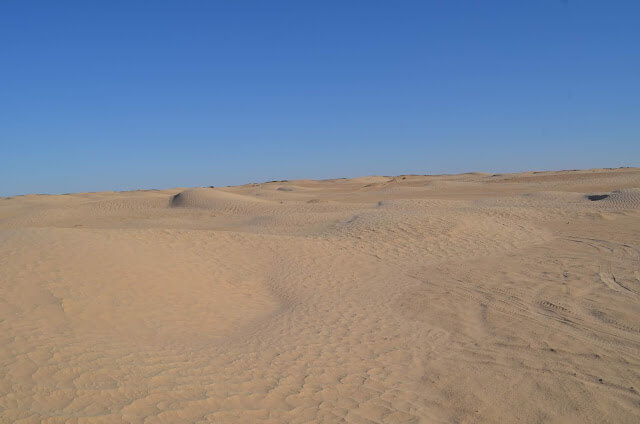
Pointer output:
x,y
98,95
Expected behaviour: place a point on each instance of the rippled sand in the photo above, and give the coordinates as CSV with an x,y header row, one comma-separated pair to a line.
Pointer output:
x,y
412,299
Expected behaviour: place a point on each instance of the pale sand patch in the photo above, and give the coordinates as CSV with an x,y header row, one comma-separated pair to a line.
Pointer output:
x,y
475,298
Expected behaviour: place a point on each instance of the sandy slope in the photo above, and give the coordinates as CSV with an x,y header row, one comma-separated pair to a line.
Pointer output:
x,y
436,299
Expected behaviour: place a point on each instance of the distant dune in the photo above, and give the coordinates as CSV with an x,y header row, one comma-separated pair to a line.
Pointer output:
x,y
215,199
471,298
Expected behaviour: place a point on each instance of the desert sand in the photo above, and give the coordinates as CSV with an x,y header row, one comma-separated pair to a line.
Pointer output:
x,y
472,298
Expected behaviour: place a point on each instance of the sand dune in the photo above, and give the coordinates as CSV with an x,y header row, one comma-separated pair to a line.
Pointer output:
x,y
475,298
212,198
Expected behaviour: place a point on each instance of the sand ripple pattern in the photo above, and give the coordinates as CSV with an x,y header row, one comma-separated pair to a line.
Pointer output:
x,y
473,298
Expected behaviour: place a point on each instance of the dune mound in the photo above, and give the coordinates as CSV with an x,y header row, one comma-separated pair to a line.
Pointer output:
x,y
619,199
211,198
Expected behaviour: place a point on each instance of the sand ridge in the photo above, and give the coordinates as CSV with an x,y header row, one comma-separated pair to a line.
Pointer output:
x,y
473,298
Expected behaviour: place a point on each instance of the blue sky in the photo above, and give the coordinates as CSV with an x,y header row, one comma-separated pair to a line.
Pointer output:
x,y
156,94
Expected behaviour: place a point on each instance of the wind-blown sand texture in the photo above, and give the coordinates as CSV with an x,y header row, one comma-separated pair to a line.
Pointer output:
x,y
470,298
